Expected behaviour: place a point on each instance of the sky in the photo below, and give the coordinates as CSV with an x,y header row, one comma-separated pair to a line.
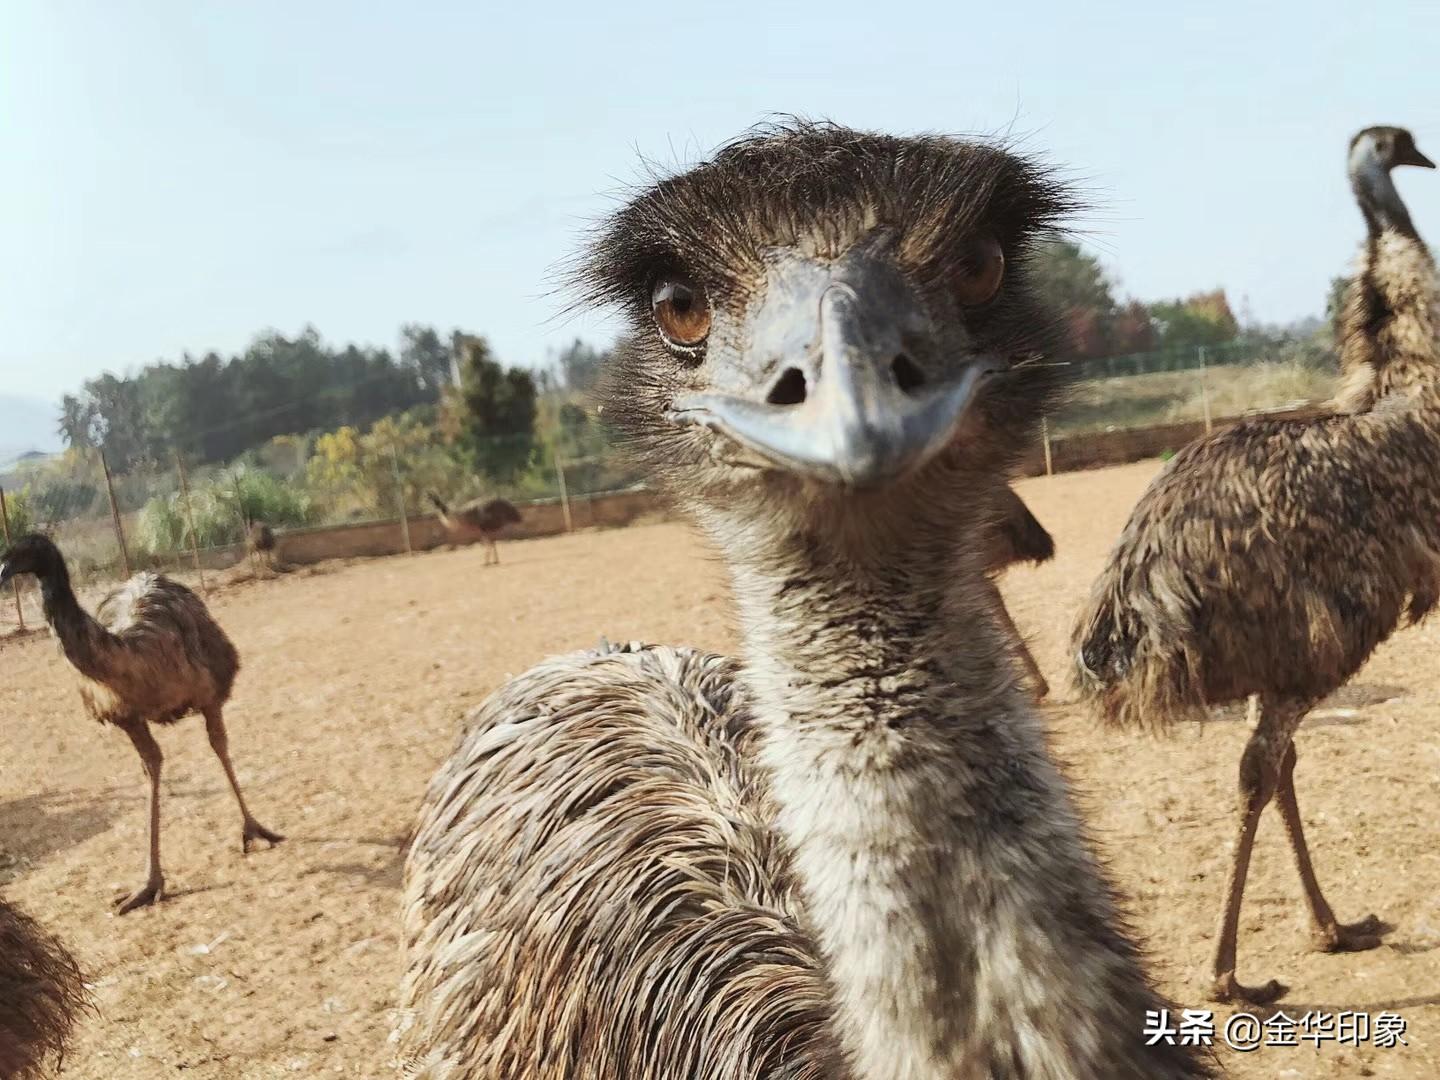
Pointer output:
x,y
179,175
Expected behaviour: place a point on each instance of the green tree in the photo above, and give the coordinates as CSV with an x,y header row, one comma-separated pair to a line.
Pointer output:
x,y
422,350
495,409
1201,319
1075,284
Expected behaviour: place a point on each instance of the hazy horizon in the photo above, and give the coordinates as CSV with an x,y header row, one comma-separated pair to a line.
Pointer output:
x,y
180,178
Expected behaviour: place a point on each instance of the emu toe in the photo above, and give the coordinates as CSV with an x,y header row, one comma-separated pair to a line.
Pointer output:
x,y
1350,937
255,831
1228,989
148,894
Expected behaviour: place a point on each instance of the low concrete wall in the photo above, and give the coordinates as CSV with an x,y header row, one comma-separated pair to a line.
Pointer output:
x,y
373,538
1092,450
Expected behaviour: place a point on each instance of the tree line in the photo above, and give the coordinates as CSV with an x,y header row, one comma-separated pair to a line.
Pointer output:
x,y
214,408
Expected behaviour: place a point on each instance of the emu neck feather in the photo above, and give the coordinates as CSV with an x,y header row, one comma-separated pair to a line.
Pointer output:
x,y
930,831
81,637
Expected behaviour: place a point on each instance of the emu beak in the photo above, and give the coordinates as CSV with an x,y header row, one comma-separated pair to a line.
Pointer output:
x,y
1414,157
857,411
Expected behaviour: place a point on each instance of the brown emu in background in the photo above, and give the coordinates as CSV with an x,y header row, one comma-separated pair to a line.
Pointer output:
x,y
1271,558
480,519
152,654
260,543
41,996
1018,537
848,854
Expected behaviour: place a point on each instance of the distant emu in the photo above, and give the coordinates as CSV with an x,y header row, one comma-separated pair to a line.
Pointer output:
x,y
152,654
1272,557
41,996
1018,537
480,519
260,543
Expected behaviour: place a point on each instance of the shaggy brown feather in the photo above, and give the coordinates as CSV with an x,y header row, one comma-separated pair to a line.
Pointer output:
x,y
41,996
612,799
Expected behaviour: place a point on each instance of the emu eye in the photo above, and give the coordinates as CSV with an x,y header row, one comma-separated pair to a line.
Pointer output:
x,y
981,272
681,311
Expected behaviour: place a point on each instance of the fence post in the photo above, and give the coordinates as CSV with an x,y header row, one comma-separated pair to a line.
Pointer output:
x,y
400,497
1045,435
115,514
190,521
1204,390
14,582
564,493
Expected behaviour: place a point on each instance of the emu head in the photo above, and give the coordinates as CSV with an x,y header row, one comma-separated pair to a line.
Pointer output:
x,y
1373,153
1388,147
32,554
823,314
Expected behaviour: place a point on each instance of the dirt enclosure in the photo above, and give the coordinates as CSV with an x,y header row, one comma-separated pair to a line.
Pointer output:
x,y
355,678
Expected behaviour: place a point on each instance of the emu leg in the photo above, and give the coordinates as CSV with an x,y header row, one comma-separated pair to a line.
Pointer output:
x,y
1259,774
151,758
1327,934
492,557
220,743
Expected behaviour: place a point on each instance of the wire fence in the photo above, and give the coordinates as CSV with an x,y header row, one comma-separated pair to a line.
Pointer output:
x,y
179,515
1204,383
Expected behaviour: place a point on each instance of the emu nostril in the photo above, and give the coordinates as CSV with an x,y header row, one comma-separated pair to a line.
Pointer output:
x,y
790,390
907,376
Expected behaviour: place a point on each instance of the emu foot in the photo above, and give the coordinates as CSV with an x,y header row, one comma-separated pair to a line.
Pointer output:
x,y
1227,989
152,891
255,831
1349,937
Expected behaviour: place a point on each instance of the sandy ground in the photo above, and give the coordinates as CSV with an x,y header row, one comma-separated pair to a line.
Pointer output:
x,y
355,679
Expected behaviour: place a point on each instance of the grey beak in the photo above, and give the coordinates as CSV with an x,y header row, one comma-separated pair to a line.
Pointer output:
x,y
856,425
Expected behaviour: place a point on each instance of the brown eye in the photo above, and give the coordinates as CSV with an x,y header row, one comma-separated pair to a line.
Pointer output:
x,y
983,270
681,311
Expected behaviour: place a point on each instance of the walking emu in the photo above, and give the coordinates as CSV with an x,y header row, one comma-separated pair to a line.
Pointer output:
x,y
1018,537
1272,557
480,519
847,853
260,543
151,654
41,995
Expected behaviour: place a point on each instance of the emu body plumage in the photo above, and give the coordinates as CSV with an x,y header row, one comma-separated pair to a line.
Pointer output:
x,y
1272,557
151,654
41,996
845,854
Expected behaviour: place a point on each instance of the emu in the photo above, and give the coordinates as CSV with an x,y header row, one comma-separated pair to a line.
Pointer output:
x,y
1271,558
1018,537
151,654
479,519
41,996
260,543
847,853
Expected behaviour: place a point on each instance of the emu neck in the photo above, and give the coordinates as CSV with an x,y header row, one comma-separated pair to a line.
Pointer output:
x,y
1379,199
923,815
81,638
